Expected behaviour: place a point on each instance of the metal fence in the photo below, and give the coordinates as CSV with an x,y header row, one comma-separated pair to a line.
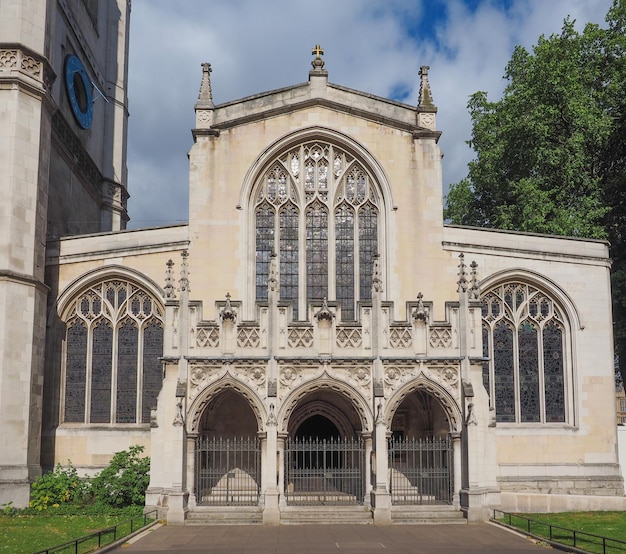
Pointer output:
x,y
555,534
228,471
324,472
95,541
420,471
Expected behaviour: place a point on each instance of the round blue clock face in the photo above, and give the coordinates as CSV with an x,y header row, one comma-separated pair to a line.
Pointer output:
x,y
78,87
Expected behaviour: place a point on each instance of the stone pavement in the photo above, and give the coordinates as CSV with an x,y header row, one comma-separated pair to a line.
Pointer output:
x,y
316,539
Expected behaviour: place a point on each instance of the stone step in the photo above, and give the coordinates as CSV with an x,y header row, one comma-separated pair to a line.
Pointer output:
x,y
420,515
347,515
224,515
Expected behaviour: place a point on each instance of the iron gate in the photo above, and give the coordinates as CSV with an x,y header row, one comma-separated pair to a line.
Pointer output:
x,y
324,472
228,471
420,471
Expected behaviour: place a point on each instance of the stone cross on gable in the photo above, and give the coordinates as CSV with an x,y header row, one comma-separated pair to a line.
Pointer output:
x,y
318,52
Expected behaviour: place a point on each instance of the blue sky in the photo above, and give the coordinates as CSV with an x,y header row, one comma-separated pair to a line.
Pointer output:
x,y
376,46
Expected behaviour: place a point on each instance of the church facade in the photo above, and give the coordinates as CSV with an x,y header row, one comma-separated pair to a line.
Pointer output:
x,y
315,337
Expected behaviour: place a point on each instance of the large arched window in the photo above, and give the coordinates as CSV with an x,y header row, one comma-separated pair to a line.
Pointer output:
x,y
318,208
114,339
524,336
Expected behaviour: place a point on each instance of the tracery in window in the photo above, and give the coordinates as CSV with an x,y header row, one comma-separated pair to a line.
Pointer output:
x,y
114,339
524,338
318,208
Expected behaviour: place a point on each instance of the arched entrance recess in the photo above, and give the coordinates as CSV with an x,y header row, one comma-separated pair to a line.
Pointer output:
x,y
227,452
420,450
324,458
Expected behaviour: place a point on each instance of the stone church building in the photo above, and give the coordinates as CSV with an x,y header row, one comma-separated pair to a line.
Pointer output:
x,y
315,338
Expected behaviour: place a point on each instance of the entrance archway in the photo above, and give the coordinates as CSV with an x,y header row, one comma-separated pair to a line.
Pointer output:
x,y
324,452
228,454
420,452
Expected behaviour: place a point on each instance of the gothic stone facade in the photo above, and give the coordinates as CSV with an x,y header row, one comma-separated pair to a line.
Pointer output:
x,y
316,292
63,73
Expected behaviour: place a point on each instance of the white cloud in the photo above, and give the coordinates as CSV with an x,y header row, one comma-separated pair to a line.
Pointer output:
x,y
257,46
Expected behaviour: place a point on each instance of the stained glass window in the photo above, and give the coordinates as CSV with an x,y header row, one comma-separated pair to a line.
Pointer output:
x,y
114,339
331,252
523,337
316,252
288,256
264,248
344,240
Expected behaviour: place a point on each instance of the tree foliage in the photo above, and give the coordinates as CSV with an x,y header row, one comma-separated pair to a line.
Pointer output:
x,y
124,481
551,153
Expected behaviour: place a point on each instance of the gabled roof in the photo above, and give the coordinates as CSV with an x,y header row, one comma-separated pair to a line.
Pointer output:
x,y
419,120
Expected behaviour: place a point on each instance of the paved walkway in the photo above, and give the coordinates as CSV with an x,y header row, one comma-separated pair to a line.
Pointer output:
x,y
316,539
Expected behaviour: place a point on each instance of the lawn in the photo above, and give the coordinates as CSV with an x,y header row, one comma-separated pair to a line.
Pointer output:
x,y
605,524
28,534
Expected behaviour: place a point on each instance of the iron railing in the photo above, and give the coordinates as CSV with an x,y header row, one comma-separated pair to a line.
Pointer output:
x,y
587,542
107,536
228,471
420,471
324,472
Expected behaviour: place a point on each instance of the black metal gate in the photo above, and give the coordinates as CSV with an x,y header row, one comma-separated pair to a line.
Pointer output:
x,y
324,472
228,471
420,471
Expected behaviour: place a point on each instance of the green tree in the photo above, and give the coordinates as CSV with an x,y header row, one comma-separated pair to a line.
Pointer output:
x,y
551,153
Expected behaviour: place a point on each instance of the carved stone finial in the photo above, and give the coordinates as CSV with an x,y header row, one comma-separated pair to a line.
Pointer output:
x,y
324,312
271,418
474,288
183,283
168,290
318,62
228,312
471,415
205,96
272,280
425,96
462,282
420,313
377,283
380,418
178,419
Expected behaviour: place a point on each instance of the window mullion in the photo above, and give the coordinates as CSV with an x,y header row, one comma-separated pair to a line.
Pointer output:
x,y
88,369
302,272
139,402
540,369
516,383
114,354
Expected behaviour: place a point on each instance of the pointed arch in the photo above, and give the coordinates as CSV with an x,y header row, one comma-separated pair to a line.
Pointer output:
x,y
449,405
325,383
114,328
529,342
226,382
338,189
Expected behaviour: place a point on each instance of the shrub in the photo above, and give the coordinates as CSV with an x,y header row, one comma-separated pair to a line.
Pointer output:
x,y
124,481
58,487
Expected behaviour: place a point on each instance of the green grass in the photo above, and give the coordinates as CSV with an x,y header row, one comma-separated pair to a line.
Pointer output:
x,y
25,534
605,524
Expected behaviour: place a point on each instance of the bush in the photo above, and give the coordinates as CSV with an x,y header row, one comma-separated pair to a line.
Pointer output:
x,y
60,486
124,481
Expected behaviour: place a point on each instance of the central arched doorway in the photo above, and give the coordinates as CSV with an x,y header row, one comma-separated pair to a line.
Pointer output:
x,y
420,452
324,452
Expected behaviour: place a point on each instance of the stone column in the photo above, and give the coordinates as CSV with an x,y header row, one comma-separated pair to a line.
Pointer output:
x,y
368,470
456,468
191,469
269,468
381,499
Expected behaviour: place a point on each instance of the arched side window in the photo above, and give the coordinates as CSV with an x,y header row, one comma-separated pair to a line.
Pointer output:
x,y
114,338
318,208
524,337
